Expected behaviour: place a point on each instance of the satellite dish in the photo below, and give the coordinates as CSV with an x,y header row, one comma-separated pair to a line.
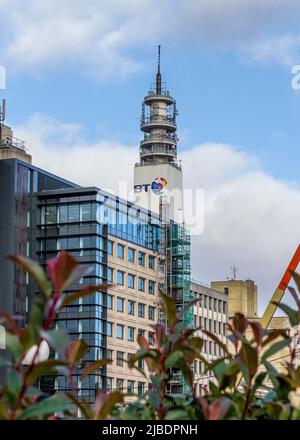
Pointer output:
x,y
42,356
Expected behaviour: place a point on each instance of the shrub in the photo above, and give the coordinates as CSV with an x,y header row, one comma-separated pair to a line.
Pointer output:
x,y
239,389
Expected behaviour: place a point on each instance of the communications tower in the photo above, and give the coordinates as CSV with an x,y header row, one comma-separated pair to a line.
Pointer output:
x,y
158,173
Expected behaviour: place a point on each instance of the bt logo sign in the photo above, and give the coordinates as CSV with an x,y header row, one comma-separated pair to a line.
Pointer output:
x,y
157,186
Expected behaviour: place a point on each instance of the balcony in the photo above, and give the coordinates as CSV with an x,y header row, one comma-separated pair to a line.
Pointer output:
x,y
168,138
158,150
158,121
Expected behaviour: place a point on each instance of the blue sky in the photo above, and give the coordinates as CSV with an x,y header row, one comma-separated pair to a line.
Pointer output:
x,y
77,73
220,98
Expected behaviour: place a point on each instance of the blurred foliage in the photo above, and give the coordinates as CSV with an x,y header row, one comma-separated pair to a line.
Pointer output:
x,y
245,383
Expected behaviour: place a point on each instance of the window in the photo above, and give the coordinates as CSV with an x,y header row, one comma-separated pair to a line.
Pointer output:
x,y
205,324
151,313
85,212
130,281
110,246
130,334
226,290
131,307
130,356
151,262
120,251
110,274
141,258
151,338
120,331
130,386
109,328
151,287
224,307
120,278
51,215
119,384
141,388
73,213
109,383
109,354
131,255
141,332
120,305
141,310
141,364
141,284
120,358
220,328
63,214
109,301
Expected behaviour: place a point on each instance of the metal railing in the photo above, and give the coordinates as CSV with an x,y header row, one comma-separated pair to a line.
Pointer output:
x,y
13,142
158,119
156,149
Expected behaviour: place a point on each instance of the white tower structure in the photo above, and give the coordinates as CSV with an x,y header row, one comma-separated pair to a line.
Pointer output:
x,y
158,173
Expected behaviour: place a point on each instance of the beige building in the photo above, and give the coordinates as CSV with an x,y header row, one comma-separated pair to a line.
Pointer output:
x,y
10,147
242,296
132,310
210,313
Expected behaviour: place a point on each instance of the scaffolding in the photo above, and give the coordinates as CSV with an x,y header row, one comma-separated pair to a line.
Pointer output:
x,y
174,278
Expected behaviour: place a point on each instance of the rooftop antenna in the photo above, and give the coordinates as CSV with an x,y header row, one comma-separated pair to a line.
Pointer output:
x,y
234,271
158,75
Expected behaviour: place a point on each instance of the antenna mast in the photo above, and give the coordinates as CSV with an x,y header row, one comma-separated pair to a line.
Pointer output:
x,y
158,75
234,271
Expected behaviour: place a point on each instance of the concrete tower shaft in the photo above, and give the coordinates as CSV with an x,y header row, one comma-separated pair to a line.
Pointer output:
x,y
158,123
158,174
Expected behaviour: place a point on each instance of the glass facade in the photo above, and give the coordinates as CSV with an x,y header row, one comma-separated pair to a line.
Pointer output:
x,y
81,222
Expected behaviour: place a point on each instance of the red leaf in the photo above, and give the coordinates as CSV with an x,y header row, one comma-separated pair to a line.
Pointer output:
x,y
60,268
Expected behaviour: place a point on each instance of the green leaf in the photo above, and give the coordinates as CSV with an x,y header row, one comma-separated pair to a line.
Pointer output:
x,y
291,313
14,345
174,359
154,399
58,339
169,307
14,383
49,406
37,312
44,369
274,349
89,290
35,271
94,366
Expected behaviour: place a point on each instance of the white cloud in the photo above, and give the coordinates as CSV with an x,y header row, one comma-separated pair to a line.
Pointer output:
x,y
101,37
250,217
